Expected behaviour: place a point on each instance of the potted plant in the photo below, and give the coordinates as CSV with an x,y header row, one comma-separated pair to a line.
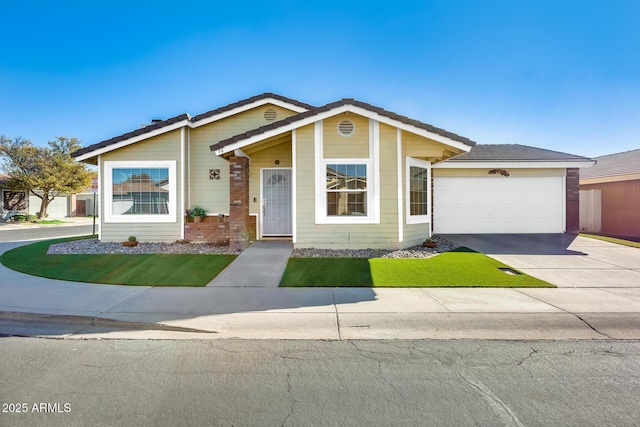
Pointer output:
x,y
197,213
131,241
428,243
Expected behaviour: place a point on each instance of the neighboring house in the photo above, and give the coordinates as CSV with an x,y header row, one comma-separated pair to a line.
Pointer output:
x,y
610,195
13,200
344,175
83,203
60,207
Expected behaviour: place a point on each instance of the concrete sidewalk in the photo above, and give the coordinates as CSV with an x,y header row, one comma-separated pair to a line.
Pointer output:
x,y
260,265
315,313
66,222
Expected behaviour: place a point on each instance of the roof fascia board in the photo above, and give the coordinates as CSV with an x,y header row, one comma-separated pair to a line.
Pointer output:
x,y
283,129
248,107
199,123
338,110
529,164
606,179
133,140
409,128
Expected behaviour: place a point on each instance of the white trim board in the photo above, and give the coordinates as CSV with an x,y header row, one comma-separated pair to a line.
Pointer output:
x,y
373,179
170,217
338,110
190,124
452,164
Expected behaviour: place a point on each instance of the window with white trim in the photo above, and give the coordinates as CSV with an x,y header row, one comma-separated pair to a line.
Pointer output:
x,y
418,187
347,189
140,191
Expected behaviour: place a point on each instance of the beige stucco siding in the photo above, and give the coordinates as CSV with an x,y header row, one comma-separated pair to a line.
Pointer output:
x,y
338,146
213,195
161,148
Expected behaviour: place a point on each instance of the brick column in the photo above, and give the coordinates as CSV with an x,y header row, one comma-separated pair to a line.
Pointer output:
x,y
239,203
573,200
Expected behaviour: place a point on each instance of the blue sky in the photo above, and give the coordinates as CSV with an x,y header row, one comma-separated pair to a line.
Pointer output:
x,y
563,75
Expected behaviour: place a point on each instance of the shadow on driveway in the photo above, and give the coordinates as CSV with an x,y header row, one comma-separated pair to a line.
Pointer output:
x,y
517,244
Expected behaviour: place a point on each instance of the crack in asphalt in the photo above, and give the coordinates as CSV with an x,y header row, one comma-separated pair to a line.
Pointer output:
x,y
500,408
294,401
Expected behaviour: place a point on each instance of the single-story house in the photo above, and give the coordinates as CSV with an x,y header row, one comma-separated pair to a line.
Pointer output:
x,y
16,200
610,195
13,199
343,175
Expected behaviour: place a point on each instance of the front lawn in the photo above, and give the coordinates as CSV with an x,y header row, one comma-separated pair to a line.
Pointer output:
x,y
460,268
117,269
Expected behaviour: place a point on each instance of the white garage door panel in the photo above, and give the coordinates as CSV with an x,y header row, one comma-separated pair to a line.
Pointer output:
x,y
56,209
499,205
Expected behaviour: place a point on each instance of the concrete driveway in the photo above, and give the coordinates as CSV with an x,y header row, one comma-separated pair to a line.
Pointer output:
x,y
566,260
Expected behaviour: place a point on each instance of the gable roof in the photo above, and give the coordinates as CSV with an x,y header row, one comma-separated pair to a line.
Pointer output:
x,y
186,120
626,163
316,113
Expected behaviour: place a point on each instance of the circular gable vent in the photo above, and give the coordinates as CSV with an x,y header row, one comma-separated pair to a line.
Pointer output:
x,y
270,115
346,128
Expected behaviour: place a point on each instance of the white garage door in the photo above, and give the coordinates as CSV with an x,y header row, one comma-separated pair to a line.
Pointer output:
x,y
499,204
58,208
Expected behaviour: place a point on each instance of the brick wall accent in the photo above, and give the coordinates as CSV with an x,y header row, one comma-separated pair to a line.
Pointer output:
x,y
211,229
573,200
214,229
239,203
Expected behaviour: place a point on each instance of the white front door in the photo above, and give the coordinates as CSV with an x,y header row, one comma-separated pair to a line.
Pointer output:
x,y
276,202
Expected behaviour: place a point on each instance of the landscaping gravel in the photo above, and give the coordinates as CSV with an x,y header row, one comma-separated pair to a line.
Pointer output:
x,y
93,246
443,245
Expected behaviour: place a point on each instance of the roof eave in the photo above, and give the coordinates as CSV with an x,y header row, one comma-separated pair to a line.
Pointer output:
x,y
248,138
516,164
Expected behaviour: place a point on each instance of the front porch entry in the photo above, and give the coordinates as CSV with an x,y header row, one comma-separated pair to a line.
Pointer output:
x,y
276,207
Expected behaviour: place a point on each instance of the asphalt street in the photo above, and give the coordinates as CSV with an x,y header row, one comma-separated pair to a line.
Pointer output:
x,y
26,233
310,383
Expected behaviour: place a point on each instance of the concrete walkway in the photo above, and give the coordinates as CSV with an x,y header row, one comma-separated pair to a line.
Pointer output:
x,y
110,312
261,265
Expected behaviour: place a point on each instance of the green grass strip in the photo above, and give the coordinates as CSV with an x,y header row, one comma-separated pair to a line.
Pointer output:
x,y
612,240
460,268
117,269
302,272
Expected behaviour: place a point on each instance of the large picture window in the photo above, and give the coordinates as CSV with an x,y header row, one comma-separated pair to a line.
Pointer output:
x,y
140,191
418,190
346,189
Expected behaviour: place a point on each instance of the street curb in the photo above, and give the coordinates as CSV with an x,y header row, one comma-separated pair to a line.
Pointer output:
x,y
94,321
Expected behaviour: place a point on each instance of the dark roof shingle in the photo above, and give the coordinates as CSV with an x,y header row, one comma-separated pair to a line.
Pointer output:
x,y
162,123
328,107
617,164
514,153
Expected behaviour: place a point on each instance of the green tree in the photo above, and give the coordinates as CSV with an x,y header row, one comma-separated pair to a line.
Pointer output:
x,y
50,170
